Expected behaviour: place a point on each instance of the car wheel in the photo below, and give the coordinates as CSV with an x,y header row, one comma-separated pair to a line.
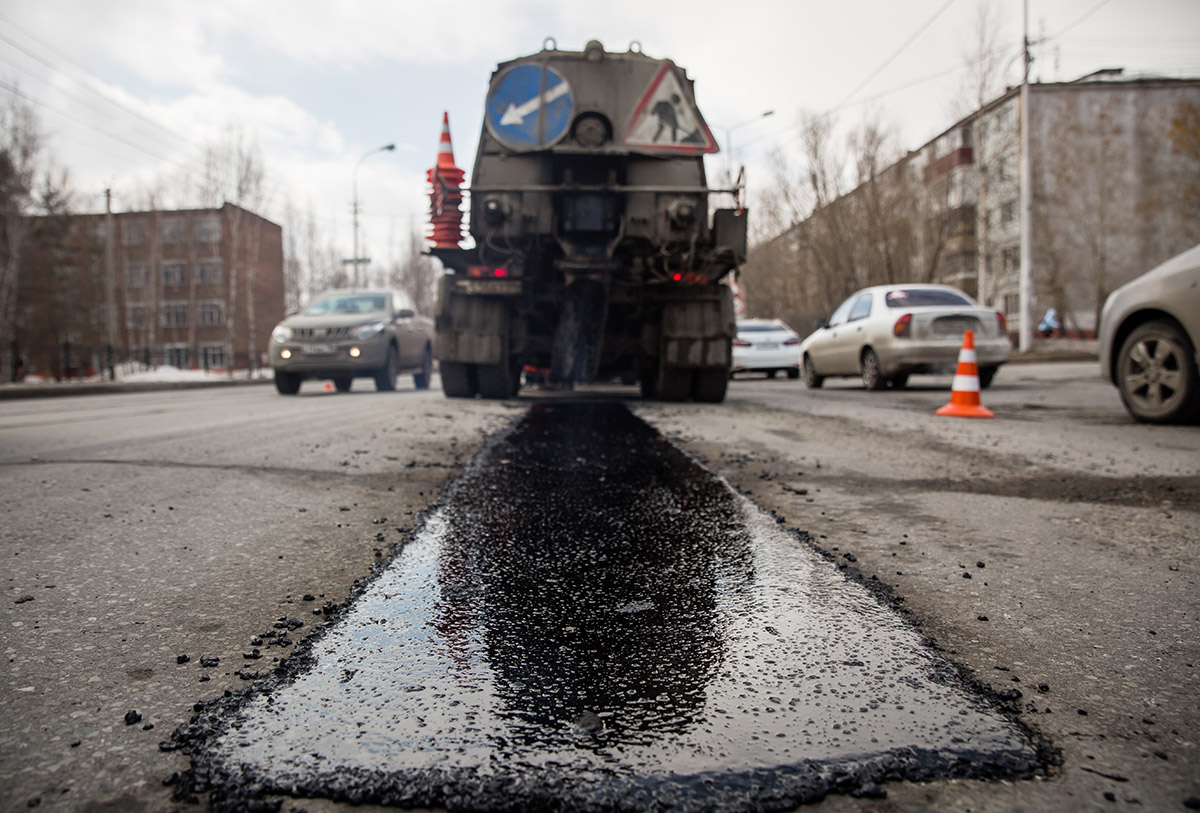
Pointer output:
x,y
710,384
872,378
343,383
422,376
899,381
793,373
1157,378
287,383
771,373
458,379
986,374
811,379
385,379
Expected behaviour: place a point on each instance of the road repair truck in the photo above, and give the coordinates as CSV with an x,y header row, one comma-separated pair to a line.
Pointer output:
x,y
596,253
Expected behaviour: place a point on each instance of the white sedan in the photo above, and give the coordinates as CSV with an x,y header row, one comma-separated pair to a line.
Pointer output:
x,y
887,332
766,346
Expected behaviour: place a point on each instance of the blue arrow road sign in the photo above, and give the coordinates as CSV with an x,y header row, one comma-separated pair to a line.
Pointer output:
x,y
529,107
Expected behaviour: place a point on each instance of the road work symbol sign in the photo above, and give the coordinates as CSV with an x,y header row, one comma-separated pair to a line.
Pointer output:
x,y
667,120
529,107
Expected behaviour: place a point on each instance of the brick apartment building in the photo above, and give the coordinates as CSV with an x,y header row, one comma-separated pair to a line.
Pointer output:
x,y
1115,180
194,289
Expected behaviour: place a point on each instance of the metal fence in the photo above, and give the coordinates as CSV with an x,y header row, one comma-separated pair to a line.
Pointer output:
x,y
75,361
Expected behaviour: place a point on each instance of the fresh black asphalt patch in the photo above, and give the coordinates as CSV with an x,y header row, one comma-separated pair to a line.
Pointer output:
x,y
589,620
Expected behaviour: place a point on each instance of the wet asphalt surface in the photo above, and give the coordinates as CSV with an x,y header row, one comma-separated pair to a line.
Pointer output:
x,y
588,619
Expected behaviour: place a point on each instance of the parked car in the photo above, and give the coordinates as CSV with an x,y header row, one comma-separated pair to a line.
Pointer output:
x,y
1149,335
766,346
887,332
347,334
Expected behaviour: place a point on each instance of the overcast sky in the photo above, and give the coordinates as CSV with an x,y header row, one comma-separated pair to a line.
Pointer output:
x,y
129,92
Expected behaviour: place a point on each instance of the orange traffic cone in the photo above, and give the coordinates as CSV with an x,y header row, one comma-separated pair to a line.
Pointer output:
x,y
328,386
964,393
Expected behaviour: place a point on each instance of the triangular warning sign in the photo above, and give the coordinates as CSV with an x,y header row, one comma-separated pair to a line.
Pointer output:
x,y
667,120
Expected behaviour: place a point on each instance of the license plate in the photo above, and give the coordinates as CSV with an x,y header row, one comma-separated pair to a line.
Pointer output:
x,y
318,349
769,346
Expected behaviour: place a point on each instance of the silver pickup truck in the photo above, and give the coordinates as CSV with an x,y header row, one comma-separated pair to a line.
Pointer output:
x,y
348,334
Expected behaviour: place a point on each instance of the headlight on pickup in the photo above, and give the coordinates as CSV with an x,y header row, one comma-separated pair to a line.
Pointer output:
x,y
367,331
281,334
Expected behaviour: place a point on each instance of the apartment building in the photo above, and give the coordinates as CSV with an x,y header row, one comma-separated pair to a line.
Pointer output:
x,y
1115,189
196,288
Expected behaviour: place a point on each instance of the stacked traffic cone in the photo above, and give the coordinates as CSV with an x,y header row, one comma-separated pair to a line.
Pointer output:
x,y
445,196
964,393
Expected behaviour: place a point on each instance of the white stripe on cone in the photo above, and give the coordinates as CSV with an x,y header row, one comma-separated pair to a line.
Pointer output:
x,y
965,383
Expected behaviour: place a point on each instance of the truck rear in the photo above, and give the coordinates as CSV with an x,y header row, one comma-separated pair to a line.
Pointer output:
x,y
596,257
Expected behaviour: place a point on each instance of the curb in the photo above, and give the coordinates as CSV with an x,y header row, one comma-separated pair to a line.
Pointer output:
x,y
13,392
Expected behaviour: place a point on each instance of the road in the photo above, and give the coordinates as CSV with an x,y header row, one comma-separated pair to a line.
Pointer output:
x,y
143,528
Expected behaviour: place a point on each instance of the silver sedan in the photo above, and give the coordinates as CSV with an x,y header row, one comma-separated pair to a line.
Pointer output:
x,y
887,332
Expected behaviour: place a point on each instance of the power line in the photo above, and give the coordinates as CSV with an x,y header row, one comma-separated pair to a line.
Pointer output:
x,y
903,47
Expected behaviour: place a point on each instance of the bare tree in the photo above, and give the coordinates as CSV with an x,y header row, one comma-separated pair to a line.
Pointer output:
x,y
20,153
416,274
235,173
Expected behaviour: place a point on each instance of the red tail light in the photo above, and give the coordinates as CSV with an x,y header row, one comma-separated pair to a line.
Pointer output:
x,y
740,343
1000,320
903,327
486,272
792,342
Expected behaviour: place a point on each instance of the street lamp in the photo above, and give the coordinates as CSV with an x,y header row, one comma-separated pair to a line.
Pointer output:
x,y
356,260
728,131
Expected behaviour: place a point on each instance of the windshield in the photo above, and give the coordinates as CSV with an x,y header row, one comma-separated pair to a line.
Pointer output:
x,y
348,303
920,297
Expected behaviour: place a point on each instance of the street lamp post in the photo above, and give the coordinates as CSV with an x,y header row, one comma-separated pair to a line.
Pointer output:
x,y
356,260
728,131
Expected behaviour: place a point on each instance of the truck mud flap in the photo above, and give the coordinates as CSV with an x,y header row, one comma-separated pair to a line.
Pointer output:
x,y
697,334
470,329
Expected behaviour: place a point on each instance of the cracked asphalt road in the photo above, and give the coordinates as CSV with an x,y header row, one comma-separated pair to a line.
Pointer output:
x,y
137,529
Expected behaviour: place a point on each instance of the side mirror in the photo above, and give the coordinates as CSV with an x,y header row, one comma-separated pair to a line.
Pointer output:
x,y
404,314
822,324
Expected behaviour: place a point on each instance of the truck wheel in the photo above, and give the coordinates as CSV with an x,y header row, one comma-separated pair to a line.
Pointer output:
x,y
648,377
497,380
385,379
343,383
287,383
458,379
709,384
421,377
674,383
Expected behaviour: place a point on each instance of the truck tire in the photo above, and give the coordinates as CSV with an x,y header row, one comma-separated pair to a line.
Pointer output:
x,y
709,384
458,379
497,380
674,383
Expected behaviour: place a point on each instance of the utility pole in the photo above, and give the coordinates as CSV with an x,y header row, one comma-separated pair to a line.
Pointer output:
x,y
1025,284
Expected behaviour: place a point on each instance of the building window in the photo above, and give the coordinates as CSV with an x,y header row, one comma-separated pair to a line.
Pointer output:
x,y
1012,259
210,314
173,231
176,355
175,314
208,272
208,229
1008,212
135,317
137,275
133,233
1012,304
174,274
213,356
